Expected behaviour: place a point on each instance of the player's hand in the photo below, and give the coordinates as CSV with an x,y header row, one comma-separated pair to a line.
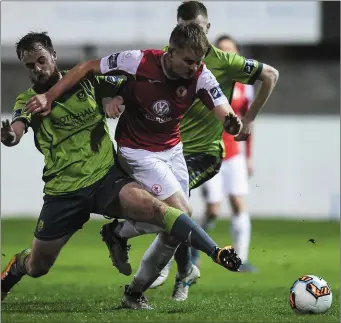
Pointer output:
x,y
39,104
232,124
112,108
245,132
8,135
249,166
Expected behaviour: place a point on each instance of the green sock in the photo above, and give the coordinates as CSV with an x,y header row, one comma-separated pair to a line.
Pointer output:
x,y
182,227
170,217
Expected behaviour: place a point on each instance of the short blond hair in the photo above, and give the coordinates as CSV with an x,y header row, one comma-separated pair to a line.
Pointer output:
x,y
189,36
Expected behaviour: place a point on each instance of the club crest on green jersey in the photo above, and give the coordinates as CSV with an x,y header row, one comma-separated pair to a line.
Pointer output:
x,y
81,96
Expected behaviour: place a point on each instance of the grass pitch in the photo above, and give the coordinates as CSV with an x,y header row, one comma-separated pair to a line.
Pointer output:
x,y
84,287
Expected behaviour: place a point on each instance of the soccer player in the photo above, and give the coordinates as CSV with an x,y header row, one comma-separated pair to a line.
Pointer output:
x,y
232,180
81,174
201,136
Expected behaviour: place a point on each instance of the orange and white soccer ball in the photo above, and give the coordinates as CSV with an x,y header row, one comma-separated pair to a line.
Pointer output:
x,y
310,294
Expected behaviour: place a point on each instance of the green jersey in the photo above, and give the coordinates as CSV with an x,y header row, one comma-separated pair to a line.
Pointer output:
x,y
200,130
74,138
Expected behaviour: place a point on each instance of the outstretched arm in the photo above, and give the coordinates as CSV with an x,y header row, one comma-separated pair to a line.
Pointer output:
x,y
41,103
73,77
123,63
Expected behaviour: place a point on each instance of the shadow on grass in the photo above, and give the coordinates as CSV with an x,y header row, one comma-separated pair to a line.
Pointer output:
x,y
159,310
45,307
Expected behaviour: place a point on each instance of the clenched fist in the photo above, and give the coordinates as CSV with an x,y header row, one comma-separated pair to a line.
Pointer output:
x,y
8,135
232,124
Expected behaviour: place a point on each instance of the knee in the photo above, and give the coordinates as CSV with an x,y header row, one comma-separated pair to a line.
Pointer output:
x,y
180,202
237,204
212,210
185,209
38,269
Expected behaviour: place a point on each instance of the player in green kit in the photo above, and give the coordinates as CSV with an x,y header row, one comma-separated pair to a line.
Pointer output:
x,y
79,155
81,174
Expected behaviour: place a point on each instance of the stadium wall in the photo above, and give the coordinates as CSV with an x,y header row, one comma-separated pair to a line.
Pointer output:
x,y
296,160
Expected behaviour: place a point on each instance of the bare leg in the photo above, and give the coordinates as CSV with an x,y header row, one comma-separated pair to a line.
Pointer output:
x,y
34,262
43,255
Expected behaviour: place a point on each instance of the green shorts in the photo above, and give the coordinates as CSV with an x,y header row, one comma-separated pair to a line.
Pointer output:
x,y
65,214
201,167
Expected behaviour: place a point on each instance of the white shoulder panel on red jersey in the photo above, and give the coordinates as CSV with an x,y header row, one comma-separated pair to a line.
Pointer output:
x,y
127,61
209,83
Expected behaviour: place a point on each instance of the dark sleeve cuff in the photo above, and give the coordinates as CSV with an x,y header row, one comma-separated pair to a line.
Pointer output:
x,y
255,76
24,121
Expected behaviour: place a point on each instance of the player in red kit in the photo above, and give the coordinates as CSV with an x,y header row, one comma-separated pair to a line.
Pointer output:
x,y
201,135
232,180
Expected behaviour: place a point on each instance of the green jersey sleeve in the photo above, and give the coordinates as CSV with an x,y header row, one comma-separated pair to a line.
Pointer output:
x,y
242,69
19,113
108,86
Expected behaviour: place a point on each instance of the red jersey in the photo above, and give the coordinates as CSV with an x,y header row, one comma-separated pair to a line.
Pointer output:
x,y
154,103
241,100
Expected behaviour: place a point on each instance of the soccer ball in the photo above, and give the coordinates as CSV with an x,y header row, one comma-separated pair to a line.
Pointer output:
x,y
310,294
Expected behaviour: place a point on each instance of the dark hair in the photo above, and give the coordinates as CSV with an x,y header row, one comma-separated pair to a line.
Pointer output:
x,y
189,10
227,37
30,40
190,36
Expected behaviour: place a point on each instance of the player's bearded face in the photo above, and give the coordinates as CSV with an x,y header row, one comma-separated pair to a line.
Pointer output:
x,y
185,63
41,65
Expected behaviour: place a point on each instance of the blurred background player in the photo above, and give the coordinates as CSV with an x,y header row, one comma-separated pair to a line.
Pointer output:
x,y
232,180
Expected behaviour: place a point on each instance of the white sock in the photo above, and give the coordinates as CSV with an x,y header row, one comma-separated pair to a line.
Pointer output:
x,y
153,261
241,234
130,229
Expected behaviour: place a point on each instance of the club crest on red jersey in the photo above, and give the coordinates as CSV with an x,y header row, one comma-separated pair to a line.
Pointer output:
x,y
181,91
